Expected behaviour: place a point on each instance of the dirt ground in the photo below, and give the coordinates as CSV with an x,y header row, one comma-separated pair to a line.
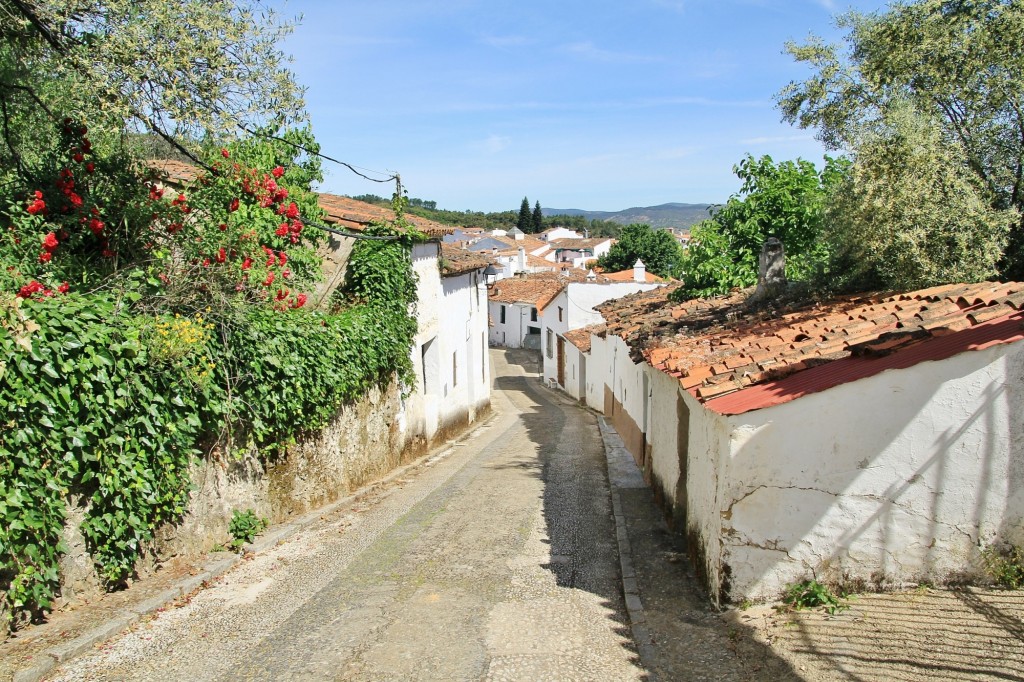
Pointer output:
x,y
926,634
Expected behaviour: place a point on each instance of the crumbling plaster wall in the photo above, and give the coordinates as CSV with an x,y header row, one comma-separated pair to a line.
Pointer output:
x,y
890,480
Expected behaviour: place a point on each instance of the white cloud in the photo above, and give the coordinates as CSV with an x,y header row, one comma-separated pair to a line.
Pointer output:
x,y
503,42
494,144
587,50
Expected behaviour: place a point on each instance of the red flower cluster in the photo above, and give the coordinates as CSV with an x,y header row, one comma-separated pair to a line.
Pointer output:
x,y
33,288
37,205
49,245
282,303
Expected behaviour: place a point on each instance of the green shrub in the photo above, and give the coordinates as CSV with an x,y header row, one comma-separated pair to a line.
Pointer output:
x,y
810,594
244,527
1004,565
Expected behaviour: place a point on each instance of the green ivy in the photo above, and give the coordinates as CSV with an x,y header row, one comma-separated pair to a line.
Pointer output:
x,y
111,405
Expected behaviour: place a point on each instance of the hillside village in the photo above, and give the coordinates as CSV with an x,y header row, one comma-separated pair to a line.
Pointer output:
x,y
257,428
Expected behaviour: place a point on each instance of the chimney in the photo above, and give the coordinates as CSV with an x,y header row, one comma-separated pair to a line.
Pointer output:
x,y
771,273
522,259
639,271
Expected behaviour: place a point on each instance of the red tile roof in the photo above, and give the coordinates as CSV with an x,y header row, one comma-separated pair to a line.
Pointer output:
x,y
627,276
578,243
537,289
533,290
176,172
456,261
355,215
581,337
735,359
342,211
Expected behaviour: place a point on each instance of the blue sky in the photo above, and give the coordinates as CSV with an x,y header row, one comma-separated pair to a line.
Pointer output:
x,y
596,105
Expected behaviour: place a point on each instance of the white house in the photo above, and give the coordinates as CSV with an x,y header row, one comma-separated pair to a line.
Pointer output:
x,y
573,308
449,353
578,252
874,439
554,233
514,308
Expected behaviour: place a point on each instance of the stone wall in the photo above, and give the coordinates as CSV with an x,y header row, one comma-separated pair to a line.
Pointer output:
x,y
362,443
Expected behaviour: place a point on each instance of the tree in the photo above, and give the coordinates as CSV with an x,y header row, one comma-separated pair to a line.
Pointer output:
x,y
956,62
188,71
525,220
538,218
910,214
784,200
658,249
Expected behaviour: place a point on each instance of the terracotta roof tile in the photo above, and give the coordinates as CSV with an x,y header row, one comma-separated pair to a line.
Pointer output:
x,y
722,346
627,276
356,215
342,211
456,261
536,289
581,337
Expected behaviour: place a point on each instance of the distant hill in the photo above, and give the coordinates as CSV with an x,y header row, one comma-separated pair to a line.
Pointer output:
x,y
665,215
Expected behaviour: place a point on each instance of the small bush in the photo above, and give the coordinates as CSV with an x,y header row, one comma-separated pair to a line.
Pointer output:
x,y
810,594
244,527
1004,565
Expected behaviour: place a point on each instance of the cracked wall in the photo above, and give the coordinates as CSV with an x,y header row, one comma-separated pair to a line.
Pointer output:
x,y
889,480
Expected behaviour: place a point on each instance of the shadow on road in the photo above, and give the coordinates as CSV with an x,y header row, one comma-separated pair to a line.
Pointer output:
x,y
691,639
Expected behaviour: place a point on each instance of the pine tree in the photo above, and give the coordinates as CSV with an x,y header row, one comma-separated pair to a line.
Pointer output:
x,y
525,221
538,218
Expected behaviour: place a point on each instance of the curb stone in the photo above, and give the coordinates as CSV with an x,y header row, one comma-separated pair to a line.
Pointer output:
x,y
272,537
630,588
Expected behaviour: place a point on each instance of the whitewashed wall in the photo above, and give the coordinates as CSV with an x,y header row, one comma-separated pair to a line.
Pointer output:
x,y
512,332
449,354
575,372
577,301
891,480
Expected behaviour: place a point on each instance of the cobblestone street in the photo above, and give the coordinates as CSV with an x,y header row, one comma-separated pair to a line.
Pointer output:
x,y
496,561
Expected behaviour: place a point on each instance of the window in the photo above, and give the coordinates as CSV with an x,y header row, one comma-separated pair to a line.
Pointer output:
x,y
559,313
533,314
455,369
431,367
551,344
502,315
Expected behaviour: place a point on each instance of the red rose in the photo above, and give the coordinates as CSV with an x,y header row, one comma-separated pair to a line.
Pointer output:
x,y
45,257
234,205
221,255
282,259
293,211
247,263
37,206
78,157
63,288
50,242
96,226
269,280
281,230
300,301
225,153
90,167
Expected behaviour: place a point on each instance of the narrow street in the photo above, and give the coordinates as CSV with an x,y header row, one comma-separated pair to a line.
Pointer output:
x,y
497,560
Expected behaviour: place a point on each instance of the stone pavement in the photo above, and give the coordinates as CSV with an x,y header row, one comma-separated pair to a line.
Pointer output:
x,y
527,550
496,559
